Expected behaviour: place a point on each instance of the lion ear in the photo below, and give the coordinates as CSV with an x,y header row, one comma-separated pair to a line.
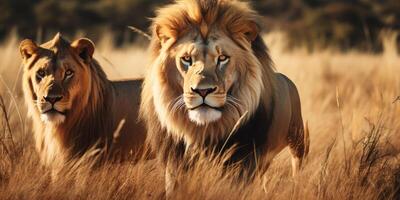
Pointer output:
x,y
84,48
251,31
247,30
165,35
28,48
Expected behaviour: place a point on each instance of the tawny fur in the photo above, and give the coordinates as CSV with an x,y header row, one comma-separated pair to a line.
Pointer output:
x,y
271,101
95,106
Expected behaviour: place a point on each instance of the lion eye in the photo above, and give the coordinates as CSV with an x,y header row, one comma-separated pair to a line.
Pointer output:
x,y
69,73
40,74
187,61
187,58
222,59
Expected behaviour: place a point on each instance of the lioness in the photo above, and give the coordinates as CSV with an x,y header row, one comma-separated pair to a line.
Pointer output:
x,y
74,106
211,86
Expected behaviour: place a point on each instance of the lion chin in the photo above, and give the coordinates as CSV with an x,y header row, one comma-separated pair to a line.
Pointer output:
x,y
52,118
204,115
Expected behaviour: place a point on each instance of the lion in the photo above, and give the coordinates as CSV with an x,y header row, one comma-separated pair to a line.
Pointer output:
x,y
211,85
74,107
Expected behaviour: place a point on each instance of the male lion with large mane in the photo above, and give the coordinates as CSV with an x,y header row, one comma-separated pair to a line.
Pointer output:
x,y
211,85
74,106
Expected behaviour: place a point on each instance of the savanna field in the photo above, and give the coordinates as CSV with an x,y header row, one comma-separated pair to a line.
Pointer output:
x,y
350,100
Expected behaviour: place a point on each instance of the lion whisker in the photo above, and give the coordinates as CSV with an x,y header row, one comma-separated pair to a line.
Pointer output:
x,y
234,98
178,103
234,101
177,106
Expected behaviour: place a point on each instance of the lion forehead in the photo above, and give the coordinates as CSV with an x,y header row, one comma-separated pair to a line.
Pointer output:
x,y
43,62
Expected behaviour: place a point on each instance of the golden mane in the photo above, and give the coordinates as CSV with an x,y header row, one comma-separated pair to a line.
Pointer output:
x,y
269,114
95,114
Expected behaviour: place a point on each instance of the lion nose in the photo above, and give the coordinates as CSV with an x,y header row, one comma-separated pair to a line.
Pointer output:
x,y
204,92
53,99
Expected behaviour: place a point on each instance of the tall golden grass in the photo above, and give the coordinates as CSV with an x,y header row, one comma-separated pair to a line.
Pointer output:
x,y
350,100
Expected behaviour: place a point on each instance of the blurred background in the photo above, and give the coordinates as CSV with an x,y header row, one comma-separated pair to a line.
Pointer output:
x,y
342,24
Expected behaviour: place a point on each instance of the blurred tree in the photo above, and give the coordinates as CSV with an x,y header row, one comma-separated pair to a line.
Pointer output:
x,y
341,23
17,14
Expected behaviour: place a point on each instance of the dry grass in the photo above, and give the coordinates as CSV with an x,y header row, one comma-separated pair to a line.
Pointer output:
x,y
350,101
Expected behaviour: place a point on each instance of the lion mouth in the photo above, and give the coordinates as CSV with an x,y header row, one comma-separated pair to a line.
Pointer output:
x,y
53,116
53,111
207,106
204,114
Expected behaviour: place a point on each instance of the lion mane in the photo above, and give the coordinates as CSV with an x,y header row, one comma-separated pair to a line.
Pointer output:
x,y
269,115
103,114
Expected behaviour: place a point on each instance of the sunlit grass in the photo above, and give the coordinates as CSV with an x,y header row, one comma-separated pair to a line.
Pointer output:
x,y
348,99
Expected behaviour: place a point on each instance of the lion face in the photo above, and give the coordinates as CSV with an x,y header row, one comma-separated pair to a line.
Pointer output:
x,y
209,72
209,69
57,75
55,83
